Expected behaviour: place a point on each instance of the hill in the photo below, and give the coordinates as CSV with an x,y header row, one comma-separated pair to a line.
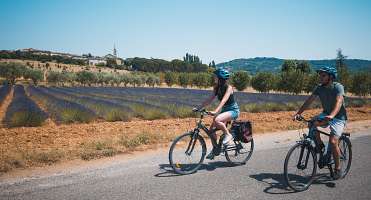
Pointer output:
x,y
254,65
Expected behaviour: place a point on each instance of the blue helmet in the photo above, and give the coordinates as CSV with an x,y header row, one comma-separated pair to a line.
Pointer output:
x,y
329,70
222,73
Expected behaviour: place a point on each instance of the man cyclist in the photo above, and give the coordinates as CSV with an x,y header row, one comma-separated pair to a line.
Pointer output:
x,y
331,95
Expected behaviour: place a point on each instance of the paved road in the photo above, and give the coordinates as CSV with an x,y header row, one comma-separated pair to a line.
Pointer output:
x,y
149,177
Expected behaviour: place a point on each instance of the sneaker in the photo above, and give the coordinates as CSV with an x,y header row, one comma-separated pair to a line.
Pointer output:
x,y
227,139
214,152
210,156
338,174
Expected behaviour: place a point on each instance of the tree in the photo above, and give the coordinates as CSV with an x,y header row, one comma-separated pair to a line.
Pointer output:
x,y
303,66
240,80
184,79
263,81
292,82
54,78
151,80
11,71
200,80
34,75
85,77
289,65
170,78
125,79
312,80
361,83
343,73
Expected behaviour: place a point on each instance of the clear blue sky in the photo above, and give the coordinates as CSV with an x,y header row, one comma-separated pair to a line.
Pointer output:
x,y
212,29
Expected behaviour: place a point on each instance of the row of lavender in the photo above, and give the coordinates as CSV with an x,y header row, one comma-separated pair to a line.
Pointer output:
x,y
22,111
86,104
4,90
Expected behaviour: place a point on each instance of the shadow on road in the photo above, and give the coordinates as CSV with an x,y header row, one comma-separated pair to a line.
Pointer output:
x,y
167,170
277,185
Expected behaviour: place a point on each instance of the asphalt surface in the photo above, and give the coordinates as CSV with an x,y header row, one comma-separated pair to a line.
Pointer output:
x,y
149,177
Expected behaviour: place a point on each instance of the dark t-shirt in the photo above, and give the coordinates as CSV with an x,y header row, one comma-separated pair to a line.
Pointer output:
x,y
328,95
220,92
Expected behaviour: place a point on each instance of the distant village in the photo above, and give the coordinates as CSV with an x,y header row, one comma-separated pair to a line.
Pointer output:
x,y
88,58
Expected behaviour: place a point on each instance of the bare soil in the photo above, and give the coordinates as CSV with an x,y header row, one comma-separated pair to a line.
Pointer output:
x,y
38,146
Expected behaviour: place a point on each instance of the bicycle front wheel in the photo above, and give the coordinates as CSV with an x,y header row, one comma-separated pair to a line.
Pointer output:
x,y
240,153
300,167
187,153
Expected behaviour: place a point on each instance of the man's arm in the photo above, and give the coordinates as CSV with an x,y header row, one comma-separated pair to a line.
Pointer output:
x,y
306,104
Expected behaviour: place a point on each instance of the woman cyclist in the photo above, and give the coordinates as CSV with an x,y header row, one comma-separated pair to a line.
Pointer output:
x,y
227,109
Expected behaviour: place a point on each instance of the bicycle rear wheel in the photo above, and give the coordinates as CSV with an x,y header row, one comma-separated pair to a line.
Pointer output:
x,y
187,153
240,153
300,167
345,156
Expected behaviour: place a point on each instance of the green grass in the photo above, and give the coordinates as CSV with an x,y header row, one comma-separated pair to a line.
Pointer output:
x,y
181,111
149,113
357,102
26,118
73,115
267,107
113,115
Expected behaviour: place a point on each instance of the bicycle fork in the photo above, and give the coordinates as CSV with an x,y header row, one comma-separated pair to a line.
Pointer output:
x,y
191,144
301,165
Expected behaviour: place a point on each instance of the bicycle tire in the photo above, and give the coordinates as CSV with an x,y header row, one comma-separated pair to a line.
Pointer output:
x,y
289,177
181,168
232,155
346,155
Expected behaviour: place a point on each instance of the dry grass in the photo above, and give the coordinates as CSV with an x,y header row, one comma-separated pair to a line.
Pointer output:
x,y
34,158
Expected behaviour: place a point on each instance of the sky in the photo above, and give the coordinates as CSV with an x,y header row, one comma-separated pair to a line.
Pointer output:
x,y
219,30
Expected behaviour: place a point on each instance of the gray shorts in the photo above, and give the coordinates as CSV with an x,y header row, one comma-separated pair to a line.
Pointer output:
x,y
336,125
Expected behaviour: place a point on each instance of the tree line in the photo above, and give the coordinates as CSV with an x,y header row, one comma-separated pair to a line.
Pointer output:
x,y
295,77
190,63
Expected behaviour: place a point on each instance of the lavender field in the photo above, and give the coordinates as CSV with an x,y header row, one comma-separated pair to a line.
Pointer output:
x,y
31,105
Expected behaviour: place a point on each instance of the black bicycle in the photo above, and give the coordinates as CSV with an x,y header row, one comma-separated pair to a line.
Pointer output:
x,y
188,151
301,160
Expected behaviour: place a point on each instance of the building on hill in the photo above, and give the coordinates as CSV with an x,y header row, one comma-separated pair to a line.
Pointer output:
x,y
114,56
97,61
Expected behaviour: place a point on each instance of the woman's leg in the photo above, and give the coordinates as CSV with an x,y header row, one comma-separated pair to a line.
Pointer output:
x,y
221,120
212,126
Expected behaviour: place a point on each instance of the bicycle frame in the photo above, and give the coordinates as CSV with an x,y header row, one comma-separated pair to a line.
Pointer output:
x,y
201,126
307,143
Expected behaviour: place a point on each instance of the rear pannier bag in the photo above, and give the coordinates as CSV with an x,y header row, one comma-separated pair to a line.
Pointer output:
x,y
242,131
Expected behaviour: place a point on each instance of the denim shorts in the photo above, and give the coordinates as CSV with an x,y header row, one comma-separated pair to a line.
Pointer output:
x,y
336,125
233,109
234,113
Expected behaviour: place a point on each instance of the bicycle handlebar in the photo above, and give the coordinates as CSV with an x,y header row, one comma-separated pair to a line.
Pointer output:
x,y
301,118
203,111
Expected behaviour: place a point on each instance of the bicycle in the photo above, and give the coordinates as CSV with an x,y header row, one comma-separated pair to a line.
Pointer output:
x,y
188,151
303,156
